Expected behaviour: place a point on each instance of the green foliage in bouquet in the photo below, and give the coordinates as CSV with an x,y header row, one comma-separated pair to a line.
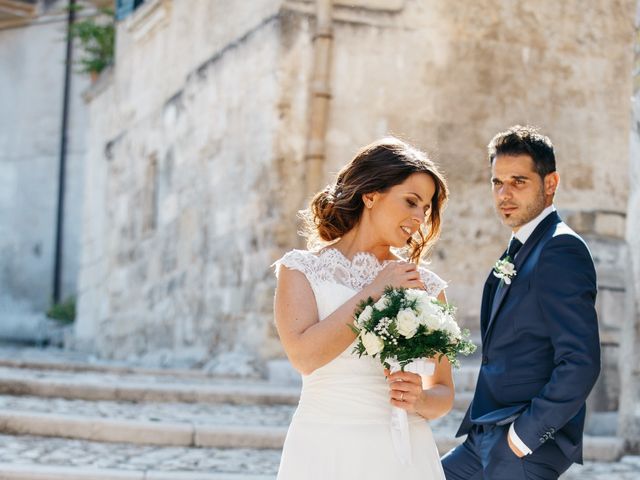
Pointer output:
x,y
438,337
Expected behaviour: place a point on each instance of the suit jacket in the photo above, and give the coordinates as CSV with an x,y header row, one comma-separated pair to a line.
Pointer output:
x,y
540,342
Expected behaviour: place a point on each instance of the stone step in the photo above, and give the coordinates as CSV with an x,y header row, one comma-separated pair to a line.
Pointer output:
x,y
39,458
465,377
178,424
142,388
190,425
462,400
627,468
204,426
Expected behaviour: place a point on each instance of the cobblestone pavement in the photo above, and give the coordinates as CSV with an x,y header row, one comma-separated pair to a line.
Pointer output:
x,y
628,468
59,452
120,456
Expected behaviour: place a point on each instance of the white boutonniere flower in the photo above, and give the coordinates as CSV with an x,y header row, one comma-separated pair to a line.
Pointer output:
x,y
505,270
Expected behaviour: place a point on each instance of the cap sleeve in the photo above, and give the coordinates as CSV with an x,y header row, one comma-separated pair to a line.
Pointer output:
x,y
433,284
295,260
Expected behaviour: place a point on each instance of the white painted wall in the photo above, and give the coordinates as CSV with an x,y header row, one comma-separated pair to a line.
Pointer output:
x,y
31,92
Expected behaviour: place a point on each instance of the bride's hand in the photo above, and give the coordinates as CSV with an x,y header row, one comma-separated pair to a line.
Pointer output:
x,y
396,274
405,390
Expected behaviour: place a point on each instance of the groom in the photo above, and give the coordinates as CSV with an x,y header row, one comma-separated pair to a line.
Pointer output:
x,y
540,345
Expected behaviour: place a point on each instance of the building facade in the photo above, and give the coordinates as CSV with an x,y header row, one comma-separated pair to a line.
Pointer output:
x,y
200,140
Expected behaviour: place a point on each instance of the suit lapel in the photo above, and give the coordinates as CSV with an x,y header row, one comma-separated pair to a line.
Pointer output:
x,y
536,235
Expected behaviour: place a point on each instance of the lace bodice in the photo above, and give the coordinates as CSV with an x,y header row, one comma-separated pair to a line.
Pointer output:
x,y
330,265
349,389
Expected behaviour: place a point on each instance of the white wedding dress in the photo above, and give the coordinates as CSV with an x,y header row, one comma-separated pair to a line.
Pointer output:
x,y
341,428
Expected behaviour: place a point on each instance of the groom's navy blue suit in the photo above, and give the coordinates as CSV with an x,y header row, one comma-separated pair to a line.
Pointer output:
x,y
540,359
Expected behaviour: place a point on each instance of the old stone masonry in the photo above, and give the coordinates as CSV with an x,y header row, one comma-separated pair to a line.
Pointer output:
x,y
63,416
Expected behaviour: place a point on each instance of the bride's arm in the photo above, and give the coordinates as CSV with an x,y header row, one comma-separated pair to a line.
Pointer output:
x,y
431,398
309,343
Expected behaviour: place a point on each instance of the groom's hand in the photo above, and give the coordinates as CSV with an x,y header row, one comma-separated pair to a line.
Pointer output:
x,y
513,447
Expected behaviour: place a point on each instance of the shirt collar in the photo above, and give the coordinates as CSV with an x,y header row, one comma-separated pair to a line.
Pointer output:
x,y
527,229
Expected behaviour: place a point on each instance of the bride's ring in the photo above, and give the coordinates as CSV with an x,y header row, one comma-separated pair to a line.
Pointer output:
x,y
402,397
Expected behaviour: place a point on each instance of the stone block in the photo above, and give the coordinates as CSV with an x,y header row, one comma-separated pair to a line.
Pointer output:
x,y
610,224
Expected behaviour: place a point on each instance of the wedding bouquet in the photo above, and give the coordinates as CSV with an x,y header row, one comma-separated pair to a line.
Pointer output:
x,y
405,325
402,329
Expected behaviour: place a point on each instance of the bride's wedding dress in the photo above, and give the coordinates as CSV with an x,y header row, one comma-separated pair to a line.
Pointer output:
x,y
341,428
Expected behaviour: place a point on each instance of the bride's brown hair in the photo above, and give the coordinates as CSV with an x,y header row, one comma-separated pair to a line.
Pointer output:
x,y
376,168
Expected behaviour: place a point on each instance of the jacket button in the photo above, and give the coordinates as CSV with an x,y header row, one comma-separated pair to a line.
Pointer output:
x,y
485,360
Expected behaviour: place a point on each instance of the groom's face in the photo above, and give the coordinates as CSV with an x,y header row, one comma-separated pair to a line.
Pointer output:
x,y
518,190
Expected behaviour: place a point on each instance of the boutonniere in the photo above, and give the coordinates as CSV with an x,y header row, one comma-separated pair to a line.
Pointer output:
x,y
505,270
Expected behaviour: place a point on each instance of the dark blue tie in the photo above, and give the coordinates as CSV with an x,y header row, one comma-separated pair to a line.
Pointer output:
x,y
514,246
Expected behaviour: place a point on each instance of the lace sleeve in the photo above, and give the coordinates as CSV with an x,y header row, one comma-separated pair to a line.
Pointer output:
x,y
296,260
433,283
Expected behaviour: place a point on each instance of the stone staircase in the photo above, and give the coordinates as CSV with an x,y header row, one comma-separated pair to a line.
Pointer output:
x,y
75,420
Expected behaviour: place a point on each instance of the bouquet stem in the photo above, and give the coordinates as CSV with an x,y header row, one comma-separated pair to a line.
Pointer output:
x,y
399,420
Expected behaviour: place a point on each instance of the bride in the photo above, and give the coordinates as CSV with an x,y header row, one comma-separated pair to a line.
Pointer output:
x,y
389,195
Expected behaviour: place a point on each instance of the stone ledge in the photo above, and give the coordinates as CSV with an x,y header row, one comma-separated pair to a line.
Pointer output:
x,y
603,449
136,391
96,429
99,429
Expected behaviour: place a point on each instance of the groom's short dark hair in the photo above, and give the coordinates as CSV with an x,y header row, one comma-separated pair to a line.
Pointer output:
x,y
519,140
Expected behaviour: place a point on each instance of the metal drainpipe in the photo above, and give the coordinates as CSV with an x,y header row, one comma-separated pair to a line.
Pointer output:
x,y
320,96
57,267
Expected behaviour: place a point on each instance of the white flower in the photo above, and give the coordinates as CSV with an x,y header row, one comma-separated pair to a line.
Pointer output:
x,y
505,270
407,323
364,316
412,294
450,326
372,343
382,303
430,314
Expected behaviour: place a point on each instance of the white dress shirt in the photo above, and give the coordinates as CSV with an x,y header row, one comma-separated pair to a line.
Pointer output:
x,y
523,235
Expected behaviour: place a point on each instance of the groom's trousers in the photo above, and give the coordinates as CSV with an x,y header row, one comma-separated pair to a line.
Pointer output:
x,y
485,455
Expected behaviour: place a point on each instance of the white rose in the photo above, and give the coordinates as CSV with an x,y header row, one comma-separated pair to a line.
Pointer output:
x,y
430,315
407,323
372,343
382,303
365,315
412,294
450,326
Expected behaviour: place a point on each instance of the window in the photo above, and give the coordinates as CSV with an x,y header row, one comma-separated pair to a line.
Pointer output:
x,y
125,7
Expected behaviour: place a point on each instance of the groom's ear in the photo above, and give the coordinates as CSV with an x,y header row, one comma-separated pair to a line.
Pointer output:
x,y
551,182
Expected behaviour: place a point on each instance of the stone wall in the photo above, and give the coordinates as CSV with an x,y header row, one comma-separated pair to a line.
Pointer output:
x,y
198,138
629,416
32,58
184,172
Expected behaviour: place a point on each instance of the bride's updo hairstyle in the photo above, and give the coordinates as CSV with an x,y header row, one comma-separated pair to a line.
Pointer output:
x,y
376,168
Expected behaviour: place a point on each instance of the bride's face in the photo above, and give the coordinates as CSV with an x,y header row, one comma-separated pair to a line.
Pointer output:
x,y
398,213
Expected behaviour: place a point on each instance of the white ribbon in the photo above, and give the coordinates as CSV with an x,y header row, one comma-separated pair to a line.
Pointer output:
x,y
399,421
